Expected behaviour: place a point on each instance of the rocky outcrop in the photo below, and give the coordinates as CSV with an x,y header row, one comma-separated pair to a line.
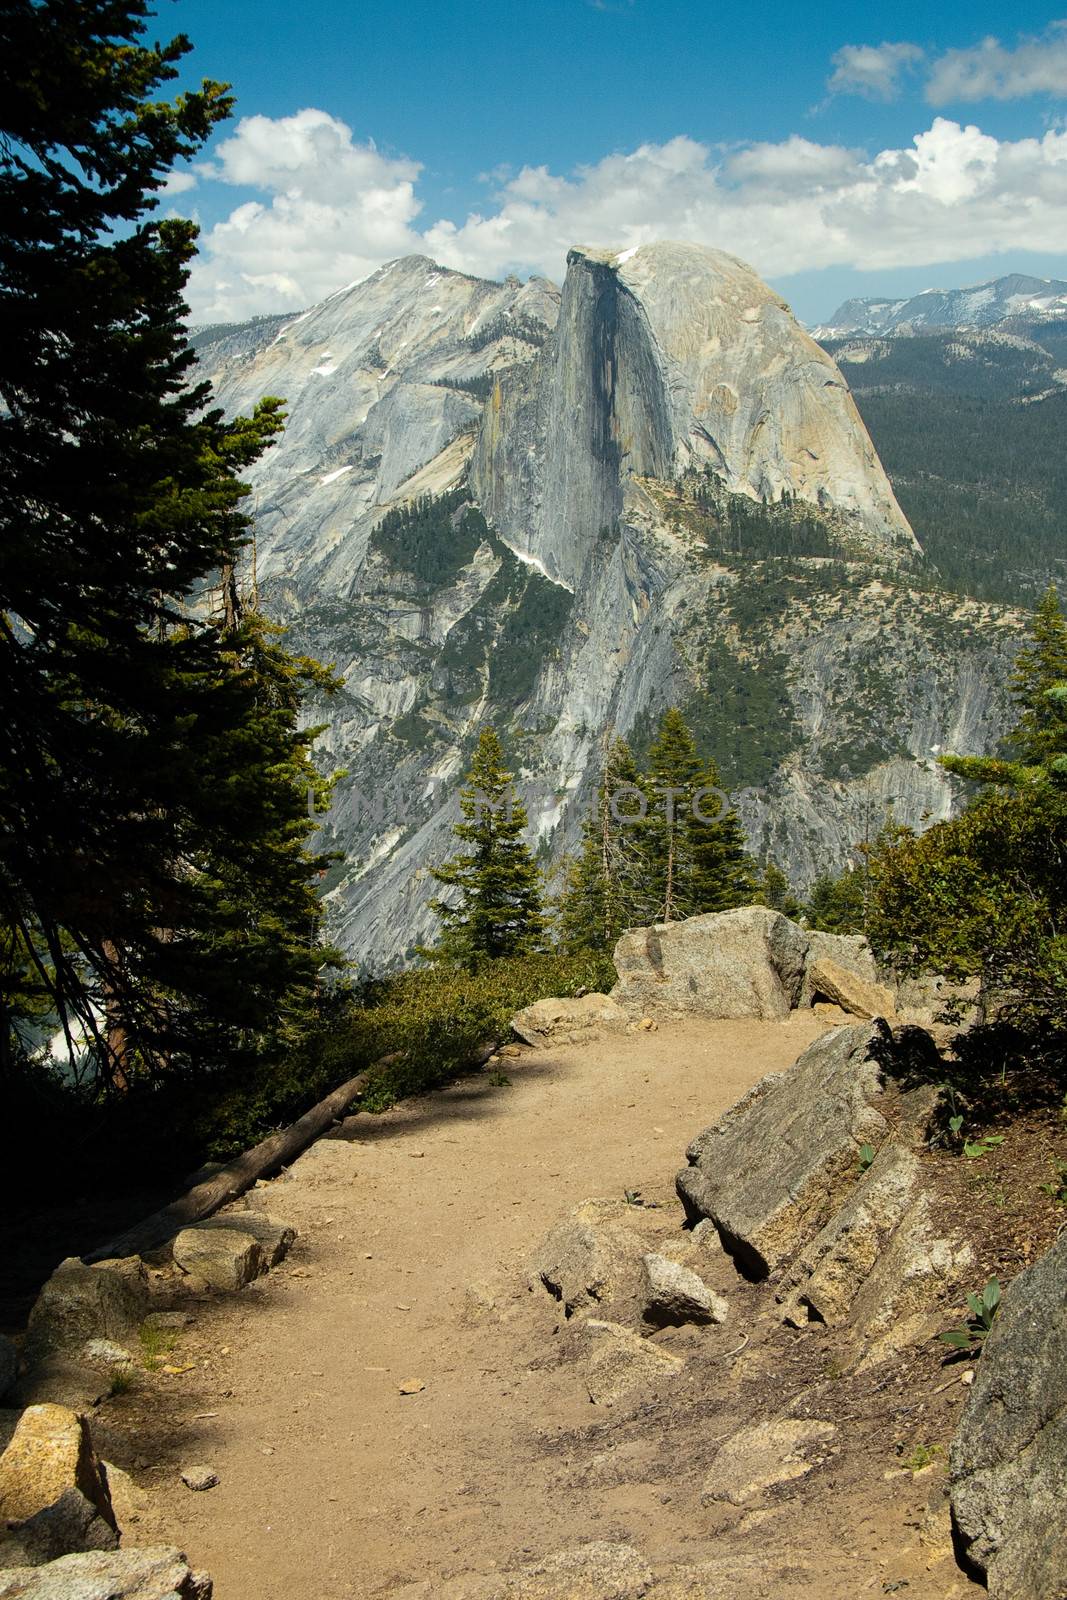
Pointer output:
x,y
669,357
79,1303
53,1491
881,1267
783,1159
150,1574
1009,1457
745,963
752,962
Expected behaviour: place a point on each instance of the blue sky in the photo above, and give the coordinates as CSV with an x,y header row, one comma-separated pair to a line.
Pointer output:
x,y
839,157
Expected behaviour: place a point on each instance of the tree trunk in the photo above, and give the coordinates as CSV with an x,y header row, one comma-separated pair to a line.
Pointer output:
x,y
270,1155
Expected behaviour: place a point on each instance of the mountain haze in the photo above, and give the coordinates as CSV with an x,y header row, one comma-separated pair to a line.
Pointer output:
x,y
563,510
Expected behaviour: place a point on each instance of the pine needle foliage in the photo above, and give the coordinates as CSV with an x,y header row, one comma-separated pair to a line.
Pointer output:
x,y
156,870
497,909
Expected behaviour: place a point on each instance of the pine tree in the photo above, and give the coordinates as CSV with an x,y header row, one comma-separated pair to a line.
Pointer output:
x,y
155,870
724,874
674,774
695,854
1039,667
605,891
776,892
499,909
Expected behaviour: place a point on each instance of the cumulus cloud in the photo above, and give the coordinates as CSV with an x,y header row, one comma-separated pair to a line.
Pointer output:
x,y
952,194
872,70
990,71
336,209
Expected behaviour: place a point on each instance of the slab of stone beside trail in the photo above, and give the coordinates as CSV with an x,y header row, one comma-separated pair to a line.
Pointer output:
x,y
1009,1459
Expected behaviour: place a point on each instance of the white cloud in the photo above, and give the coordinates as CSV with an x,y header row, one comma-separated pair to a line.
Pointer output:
x,y
990,71
953,194
872,70
177,183
336,210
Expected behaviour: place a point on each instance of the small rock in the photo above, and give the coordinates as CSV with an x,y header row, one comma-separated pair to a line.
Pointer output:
x,y
648,1025
511,1051
411,1386
107,1353
199,1478
674,1295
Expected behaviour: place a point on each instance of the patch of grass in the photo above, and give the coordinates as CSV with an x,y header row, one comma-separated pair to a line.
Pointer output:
x,y
923,1455
121,1381
155,1344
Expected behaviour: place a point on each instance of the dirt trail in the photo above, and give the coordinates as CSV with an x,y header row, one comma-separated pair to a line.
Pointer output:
x,y
415,1231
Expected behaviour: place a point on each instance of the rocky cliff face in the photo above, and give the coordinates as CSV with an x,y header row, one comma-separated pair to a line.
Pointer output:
x,y
652,488
668,358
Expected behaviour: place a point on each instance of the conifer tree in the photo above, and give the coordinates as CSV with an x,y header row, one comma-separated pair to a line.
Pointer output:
x,y
724,874
1039,667
499,909
674,774
776,892
155,871
605,891
695,853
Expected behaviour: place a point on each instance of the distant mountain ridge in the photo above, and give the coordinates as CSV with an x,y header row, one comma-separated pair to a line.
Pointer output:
x,y
982,305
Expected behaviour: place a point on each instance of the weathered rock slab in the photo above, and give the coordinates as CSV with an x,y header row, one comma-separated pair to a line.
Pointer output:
x,y
617,1362
860,997
1008,1463
597,1571
150,1574
674,1294
881,1266
763,1456
553,1021
53,1491
779,1165
275,1238
78,1303
744,963
223,1258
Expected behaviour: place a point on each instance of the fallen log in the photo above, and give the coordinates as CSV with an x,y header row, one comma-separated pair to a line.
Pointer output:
x,y
269,1156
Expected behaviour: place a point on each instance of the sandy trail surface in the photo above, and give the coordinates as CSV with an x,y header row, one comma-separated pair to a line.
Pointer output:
x,y
411,1271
